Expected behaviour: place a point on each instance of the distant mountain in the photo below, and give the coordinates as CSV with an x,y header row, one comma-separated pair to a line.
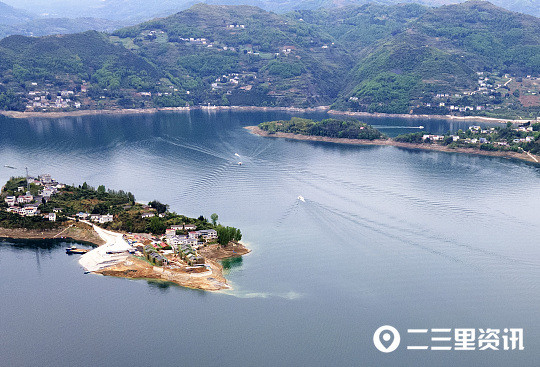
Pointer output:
x,y
372,58
9,15
140,10
20,22
49,26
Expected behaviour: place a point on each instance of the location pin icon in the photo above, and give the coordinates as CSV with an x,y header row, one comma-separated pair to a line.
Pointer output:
x,y
386,339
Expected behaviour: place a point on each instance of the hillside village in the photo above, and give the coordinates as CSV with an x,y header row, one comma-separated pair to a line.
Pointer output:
x,y
521,139
22,202
404,59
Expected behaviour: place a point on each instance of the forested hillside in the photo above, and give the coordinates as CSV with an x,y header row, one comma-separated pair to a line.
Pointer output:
x,y
471,58
441,53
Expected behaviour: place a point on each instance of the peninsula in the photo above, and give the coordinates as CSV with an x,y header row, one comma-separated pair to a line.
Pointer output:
x,y
518,142
133,240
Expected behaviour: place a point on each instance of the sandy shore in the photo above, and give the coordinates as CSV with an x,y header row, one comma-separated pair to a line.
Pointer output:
x,y
389,142
124,265
78,113
209,278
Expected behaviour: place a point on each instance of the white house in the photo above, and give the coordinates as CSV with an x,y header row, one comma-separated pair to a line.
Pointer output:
x,y
28,198
10,200
14,209
29,211
106,218
208,234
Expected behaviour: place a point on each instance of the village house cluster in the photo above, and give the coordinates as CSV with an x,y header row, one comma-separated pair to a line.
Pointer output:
x,y
182,246
98,218
230,81
194,238
483,136
44,100
27,205
492,92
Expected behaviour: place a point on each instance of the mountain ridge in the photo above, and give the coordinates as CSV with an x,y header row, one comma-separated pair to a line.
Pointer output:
x,y
370,58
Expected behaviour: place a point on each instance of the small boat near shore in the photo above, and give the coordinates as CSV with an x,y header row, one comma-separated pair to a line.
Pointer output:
x,y
75,250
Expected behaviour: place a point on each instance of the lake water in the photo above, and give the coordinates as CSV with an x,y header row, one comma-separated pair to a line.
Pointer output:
x,y
412,239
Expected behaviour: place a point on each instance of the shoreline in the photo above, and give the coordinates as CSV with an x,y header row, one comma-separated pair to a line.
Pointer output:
x,y
210,280
132,267
390,142
72,232
326,109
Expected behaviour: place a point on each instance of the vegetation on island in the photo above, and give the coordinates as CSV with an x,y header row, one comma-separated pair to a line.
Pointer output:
x,y
127,215
523,138
506,138
14,221
464,59
332,128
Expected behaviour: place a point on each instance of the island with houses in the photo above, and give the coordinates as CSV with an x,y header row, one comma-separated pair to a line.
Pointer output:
x,y
130,239
516,141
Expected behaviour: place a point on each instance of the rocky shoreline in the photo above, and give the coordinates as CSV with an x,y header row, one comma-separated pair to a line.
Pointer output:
x,y
390,142
80,113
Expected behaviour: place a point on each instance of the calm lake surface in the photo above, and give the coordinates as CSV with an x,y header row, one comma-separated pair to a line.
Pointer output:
x,y
411,239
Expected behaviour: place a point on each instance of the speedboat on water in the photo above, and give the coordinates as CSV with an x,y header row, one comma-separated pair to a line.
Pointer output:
x,y
301,198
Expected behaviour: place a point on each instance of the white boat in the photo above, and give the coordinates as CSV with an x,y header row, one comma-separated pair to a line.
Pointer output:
x,y
236,154
239,163
301,198
420,127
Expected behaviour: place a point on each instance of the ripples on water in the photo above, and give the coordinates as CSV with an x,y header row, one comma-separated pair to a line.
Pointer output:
x,y
384,235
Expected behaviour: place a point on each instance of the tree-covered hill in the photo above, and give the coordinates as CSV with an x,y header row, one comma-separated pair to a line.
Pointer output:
x,y
470,58
280,61
441,52
69,59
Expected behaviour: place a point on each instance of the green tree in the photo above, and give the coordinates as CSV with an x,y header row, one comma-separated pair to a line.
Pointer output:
x,y
101,189
214,217
157,225
238,235
160,208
